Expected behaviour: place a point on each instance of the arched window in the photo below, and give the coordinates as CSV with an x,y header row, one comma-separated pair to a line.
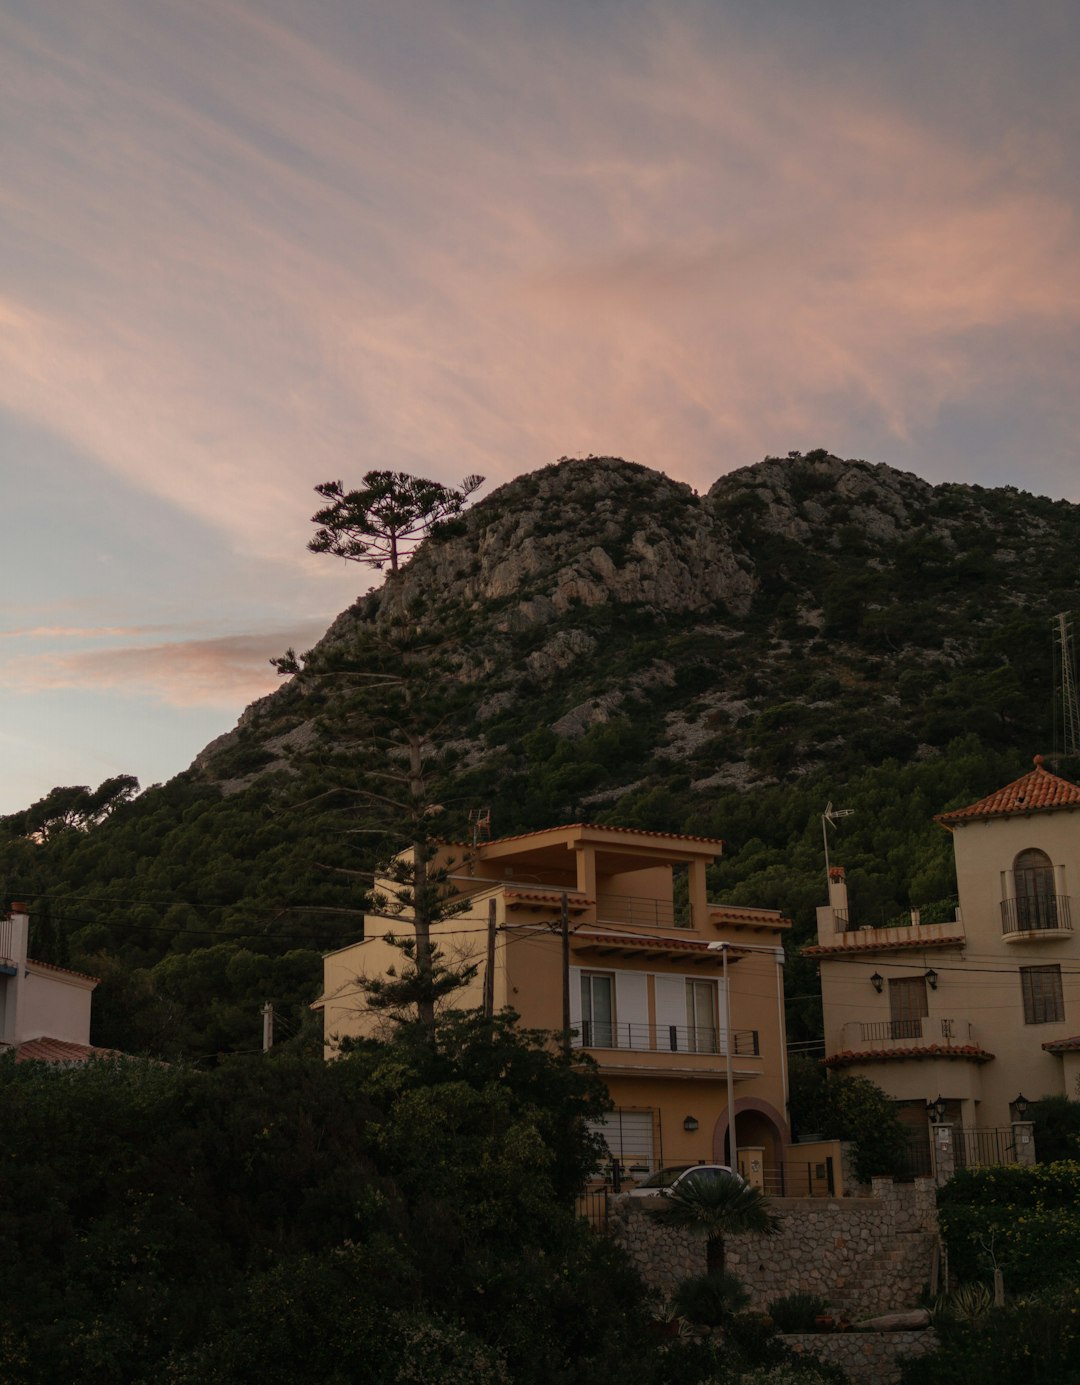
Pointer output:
x,y
1036,901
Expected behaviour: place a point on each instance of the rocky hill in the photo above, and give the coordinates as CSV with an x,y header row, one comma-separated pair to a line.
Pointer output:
x,y
806,612
622,649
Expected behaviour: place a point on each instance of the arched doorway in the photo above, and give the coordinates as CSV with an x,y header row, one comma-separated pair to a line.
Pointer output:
x,y
758,1126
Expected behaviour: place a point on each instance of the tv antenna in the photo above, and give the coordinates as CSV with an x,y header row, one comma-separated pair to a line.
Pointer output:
x,y
480,822
1065,670
828,819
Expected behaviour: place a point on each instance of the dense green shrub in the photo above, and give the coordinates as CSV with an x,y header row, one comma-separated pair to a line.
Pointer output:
x,y
796,1312
1034,1342
710,1299
1025,1221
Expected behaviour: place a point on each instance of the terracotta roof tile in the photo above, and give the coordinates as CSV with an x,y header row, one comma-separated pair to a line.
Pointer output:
x,y
1038,791
905,944
64,971
46,1050
604,827
744,915
574,900
884,1055
1063,1045
648,940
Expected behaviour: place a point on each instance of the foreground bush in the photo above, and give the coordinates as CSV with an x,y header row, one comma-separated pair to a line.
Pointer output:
x,y
1034,1342
1024,1220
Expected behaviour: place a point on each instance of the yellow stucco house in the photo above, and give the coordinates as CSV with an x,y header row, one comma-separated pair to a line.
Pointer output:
x,y
677,999
985,1007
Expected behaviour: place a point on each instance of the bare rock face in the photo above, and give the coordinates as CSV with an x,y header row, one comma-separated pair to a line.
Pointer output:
x,y
808,498
583,534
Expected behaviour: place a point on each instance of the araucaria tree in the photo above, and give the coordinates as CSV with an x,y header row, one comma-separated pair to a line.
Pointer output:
x,y
381,759
387,517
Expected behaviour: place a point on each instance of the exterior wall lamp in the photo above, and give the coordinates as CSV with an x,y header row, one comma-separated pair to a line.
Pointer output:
x,y
1020,1106
878,982
931,979
936,1111
690,1124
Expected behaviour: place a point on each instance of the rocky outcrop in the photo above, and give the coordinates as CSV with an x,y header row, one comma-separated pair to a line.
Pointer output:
x,y
753,632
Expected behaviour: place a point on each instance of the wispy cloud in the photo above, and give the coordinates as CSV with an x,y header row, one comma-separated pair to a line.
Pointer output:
x,y
82,632
264,251
224,672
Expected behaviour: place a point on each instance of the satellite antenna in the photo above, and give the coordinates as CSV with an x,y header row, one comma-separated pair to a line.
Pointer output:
x,y
828,819
1065,660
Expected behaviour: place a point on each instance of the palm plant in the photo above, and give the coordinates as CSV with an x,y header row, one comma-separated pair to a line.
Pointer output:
x,y
717,1207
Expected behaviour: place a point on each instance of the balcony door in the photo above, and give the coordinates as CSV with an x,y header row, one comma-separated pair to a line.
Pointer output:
x,y
702,1024
598,1009
907,1007
1036,902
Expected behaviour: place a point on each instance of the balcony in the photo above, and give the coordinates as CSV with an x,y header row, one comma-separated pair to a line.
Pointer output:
x,y
921,1032
1036,916
642,913
666,1038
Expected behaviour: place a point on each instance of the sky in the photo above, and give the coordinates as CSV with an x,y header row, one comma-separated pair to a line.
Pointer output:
x,y
247,246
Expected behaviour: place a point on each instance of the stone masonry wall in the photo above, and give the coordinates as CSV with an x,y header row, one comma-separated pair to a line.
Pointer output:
x,y
863,1255
866,1358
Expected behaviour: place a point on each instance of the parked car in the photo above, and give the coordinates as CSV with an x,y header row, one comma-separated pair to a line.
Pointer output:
x,y
663,1180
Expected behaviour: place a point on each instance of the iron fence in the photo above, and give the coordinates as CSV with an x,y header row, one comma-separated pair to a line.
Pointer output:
x,y
809,1178
592,1206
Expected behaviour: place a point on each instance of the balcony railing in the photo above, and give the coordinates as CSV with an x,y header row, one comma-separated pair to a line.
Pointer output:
x,y
1036,913
7,941
644,913
923,1029
666,1038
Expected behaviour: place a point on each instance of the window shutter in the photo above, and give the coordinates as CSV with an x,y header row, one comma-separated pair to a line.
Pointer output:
x,y
632,1008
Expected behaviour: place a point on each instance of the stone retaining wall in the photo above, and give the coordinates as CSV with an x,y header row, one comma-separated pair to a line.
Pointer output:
x,y
868,1358
863,1255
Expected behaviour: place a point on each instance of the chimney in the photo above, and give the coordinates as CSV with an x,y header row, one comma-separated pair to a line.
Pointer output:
x,y
838,902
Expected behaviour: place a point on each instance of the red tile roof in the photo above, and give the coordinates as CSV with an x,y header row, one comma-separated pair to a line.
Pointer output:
x,y
1063,1045
603,827
64,971
645,940
46,1050
913,944
743,916
574,899
1038,791
884,1055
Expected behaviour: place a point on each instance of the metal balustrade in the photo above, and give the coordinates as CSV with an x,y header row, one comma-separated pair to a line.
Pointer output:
x,y
666,1038
1036,913
643,913
925,1028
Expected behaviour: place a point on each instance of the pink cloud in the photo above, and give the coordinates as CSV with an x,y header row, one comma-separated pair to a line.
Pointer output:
x,y
280,260
225,672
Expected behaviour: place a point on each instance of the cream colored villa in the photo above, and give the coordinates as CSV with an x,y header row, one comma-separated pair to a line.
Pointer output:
x,y
678,1000
44,1010
981,1009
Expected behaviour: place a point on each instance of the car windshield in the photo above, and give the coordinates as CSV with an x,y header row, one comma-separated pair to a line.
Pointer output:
x,y
663,1178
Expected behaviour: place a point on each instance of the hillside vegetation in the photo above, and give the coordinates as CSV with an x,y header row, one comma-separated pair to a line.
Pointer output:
x,y
623,650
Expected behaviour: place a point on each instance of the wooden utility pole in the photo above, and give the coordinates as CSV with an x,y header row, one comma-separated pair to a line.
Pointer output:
x,y
268,1025
489,975
565,921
